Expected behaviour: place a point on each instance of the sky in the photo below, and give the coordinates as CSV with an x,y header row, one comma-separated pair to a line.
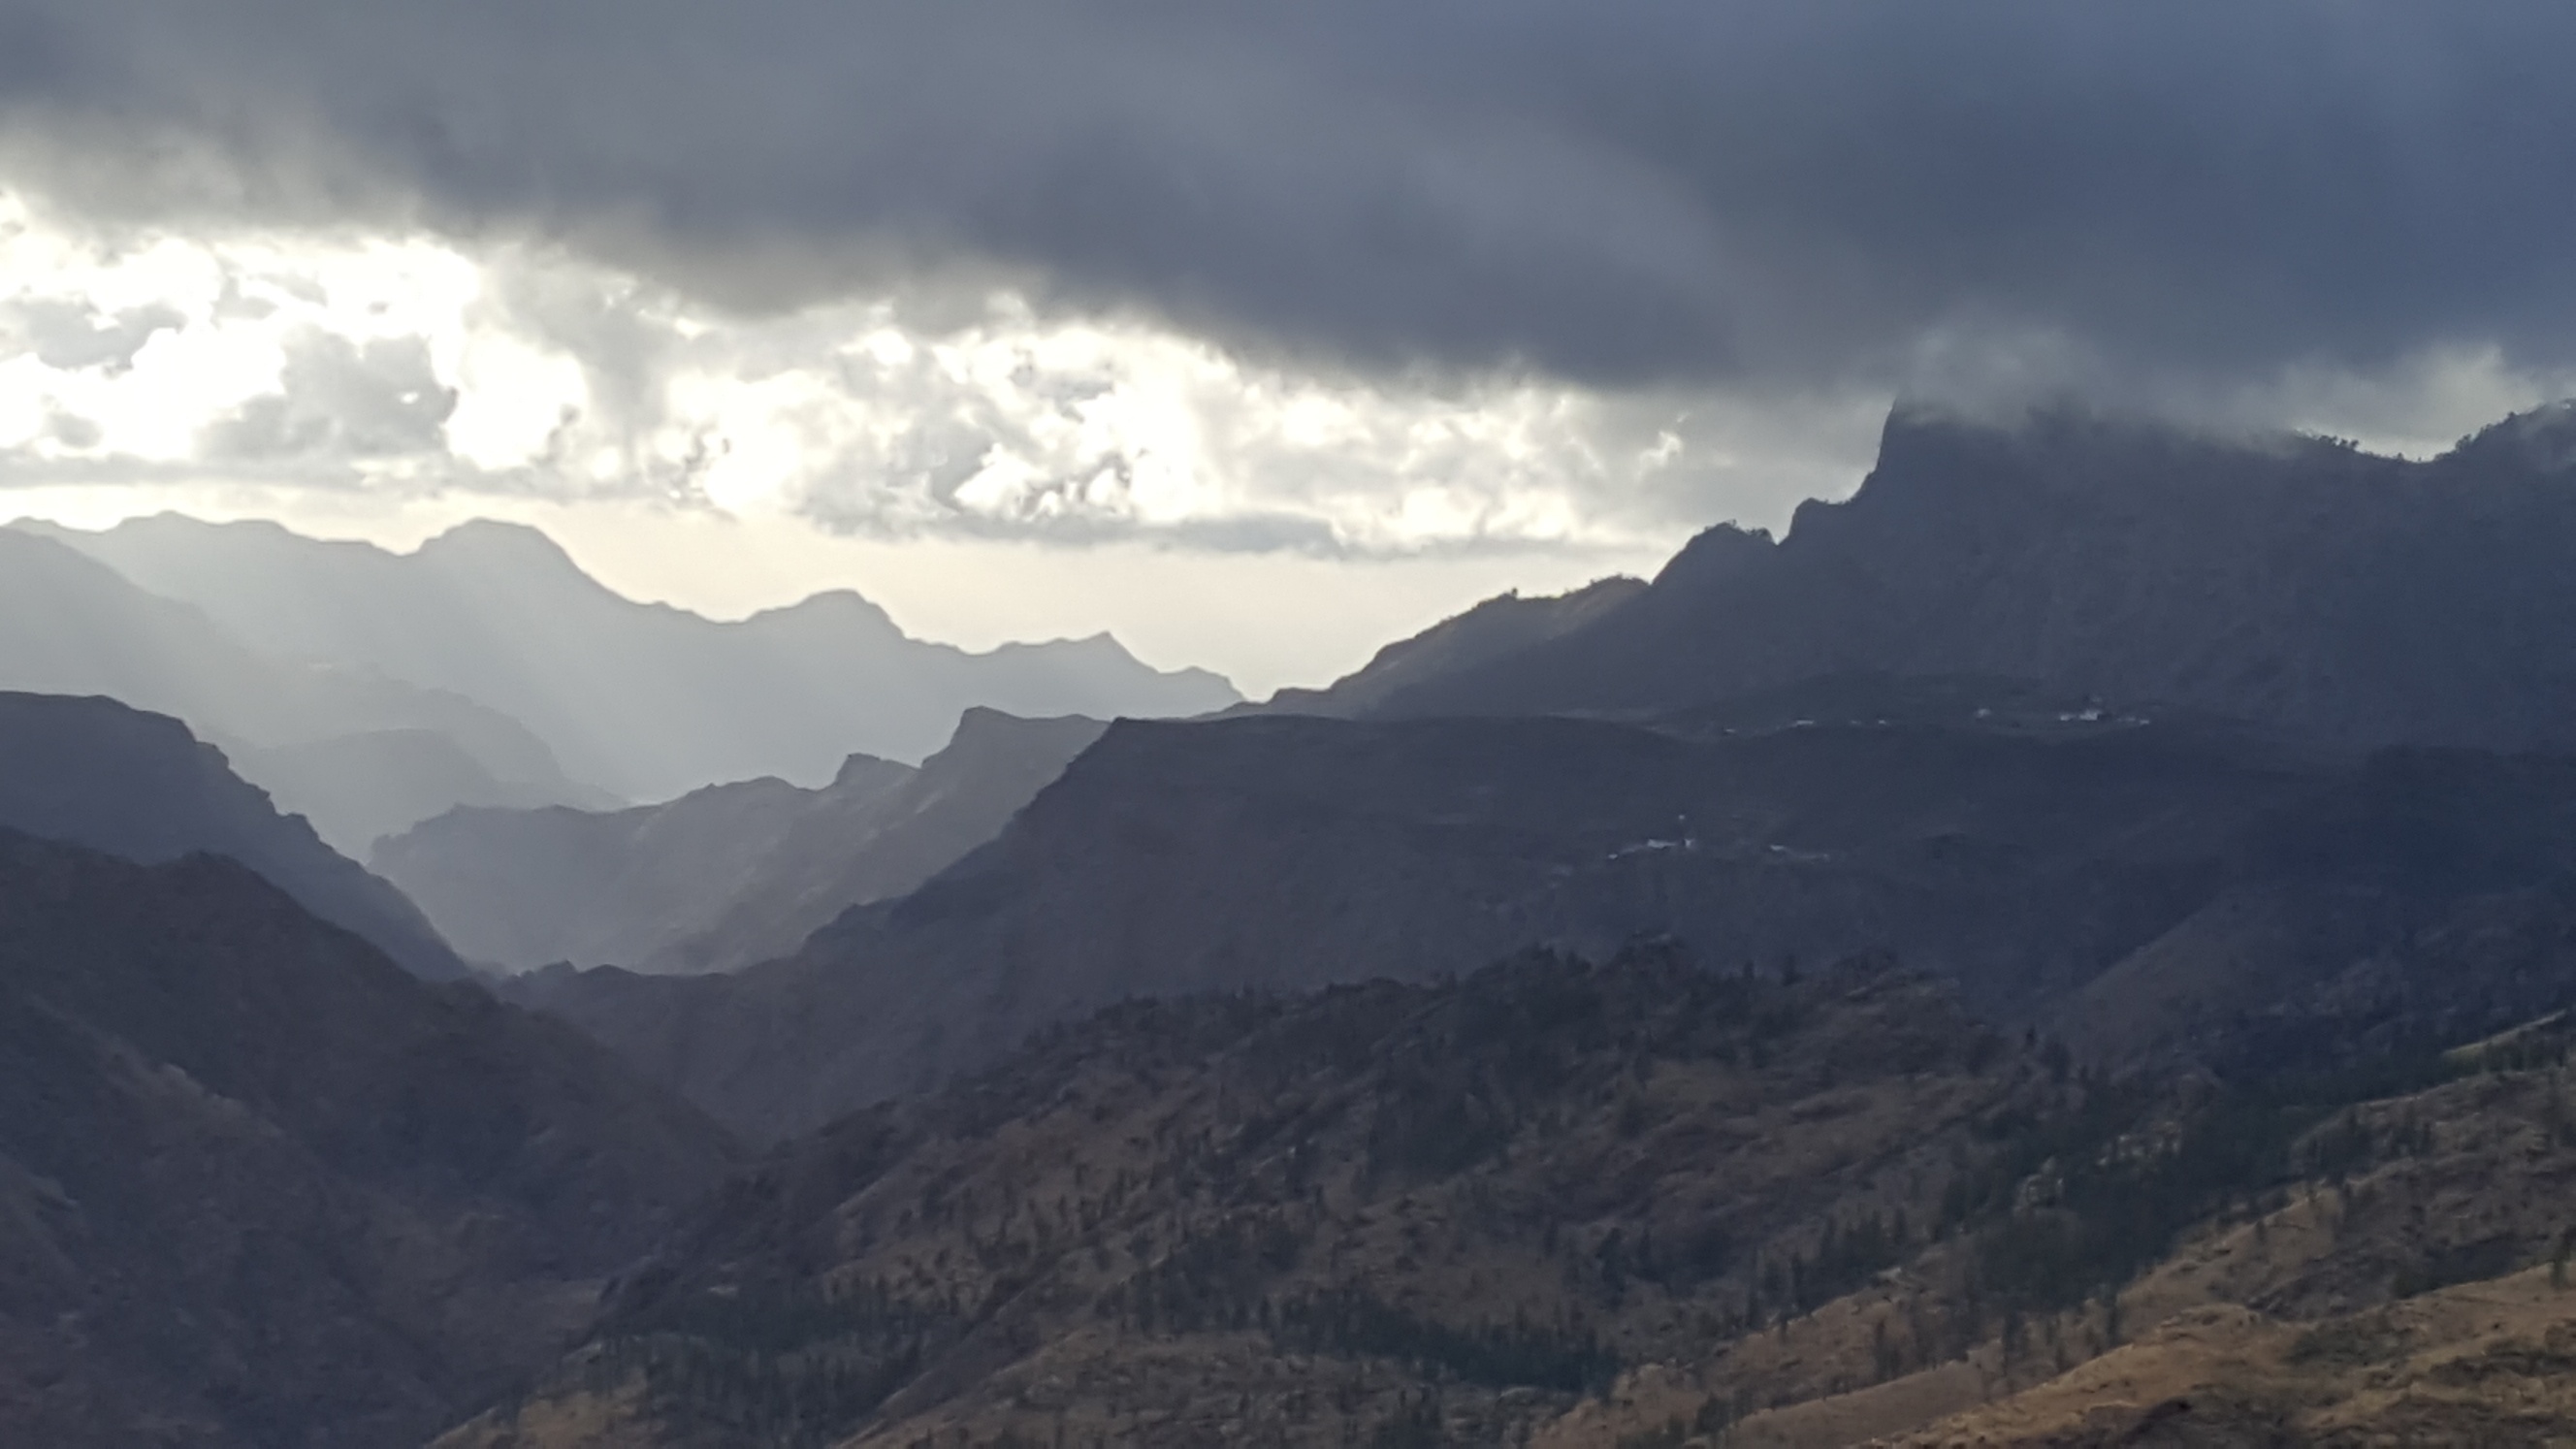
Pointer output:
x,y
1258,334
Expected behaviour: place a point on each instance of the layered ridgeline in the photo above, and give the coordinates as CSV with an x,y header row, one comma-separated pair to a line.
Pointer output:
x,y
1639,1204
1498,628
645,701
260,1187
2292,581
725,876
2142,881
355,751
97,773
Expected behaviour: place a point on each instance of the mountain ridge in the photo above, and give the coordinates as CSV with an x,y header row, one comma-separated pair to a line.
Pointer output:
x,y
98,773
2296,582
1286,852
72,625
726,876
646,701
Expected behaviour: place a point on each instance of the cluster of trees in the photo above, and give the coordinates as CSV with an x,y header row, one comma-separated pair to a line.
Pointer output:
x,y
1566,1355
782,1369
2073,1204
1212,1278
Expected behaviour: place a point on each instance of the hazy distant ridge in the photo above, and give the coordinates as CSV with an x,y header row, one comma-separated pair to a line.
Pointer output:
x,y
643,700
728,875
98,774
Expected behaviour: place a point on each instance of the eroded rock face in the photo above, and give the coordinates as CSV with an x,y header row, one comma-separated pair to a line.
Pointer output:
x,y
259,1186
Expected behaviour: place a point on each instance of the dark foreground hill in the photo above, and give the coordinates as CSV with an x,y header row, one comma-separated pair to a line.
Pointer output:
x,y
727,876
96,773
260,1187
2296,582
1640,1204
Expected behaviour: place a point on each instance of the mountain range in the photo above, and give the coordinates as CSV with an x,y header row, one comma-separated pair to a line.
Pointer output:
x,y
351,749
2133,886
2297,582
1781,769
96,773
2075,945
726,876
643,701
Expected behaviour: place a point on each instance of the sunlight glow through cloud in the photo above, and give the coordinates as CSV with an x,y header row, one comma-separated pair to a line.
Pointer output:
x,y
409,367
362,383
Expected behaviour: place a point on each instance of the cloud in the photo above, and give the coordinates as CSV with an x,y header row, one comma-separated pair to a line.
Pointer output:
x,y
362,365
1329,278
1626,193
71,334
340,398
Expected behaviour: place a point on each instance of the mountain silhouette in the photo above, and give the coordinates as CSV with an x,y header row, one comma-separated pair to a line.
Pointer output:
x,y
1496,628
725,876
351,749
98,773
643,700
2296,582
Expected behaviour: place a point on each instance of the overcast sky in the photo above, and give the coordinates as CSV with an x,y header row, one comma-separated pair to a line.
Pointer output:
x,y
1032,318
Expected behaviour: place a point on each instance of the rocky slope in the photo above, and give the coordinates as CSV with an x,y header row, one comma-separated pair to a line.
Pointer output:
x,y
1285,1221
96,773
729,875
1639,1204
2295,582
643,700
259,1187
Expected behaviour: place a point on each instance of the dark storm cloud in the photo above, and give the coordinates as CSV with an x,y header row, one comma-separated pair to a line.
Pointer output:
x,y
1614,190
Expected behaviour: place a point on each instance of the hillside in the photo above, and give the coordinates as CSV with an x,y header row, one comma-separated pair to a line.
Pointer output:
x,y
729,875
1637,1204
1287,1218
96,773
644,700
2294,582
259,1187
